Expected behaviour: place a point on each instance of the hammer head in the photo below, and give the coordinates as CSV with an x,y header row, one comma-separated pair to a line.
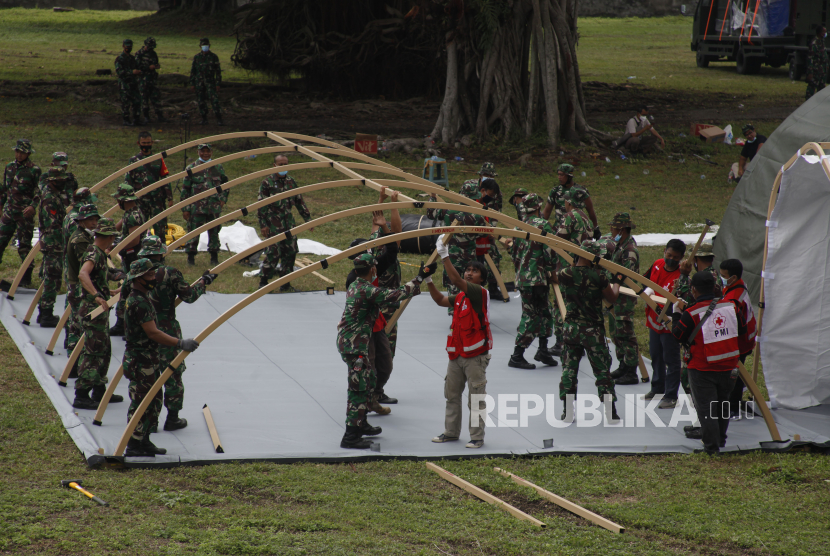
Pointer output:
x,y
66,483
709,223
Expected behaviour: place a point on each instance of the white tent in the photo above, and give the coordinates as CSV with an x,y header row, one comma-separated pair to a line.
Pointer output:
x,y
795,340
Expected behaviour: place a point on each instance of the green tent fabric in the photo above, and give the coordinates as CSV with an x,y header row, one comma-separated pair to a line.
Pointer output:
x,y
741,233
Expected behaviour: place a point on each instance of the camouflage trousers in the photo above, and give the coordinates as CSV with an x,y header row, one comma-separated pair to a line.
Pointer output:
x,y
25,228
537,315
95,357
600,359
51,273
813,87
130,98
128,256
142,373
625,341
73,324
280,257
174,387
152,207
150,94
207,92
556,314
361,387
197,220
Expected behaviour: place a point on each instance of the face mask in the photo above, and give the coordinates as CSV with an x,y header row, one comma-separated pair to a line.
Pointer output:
x,y
486,199
145,148
205,47
751,140
724,281
617,237
203,160
670,264
282,174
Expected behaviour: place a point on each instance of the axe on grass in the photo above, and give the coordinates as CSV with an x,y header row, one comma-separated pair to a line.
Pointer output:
x,y
77,486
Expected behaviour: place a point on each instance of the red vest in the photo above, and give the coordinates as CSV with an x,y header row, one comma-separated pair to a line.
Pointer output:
x,y
469,337
483,242
380,322
737,292
667,281
715,347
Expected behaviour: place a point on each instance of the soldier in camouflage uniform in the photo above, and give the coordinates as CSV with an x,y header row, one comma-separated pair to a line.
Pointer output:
x,y
621,318
86,220
142,362
53,203
128,74
584,286
556,200
536,263
69,182
204,210
133,218
80,197
575,226
363,304
170,284
205,79
469,188
148,62
277,218
21,198
95,276
156,201
516,244
817,61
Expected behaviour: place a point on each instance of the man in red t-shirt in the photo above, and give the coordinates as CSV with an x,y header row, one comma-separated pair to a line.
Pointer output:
x,y
662,346
734,290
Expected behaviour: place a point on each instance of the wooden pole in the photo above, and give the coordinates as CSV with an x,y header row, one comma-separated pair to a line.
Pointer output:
x,y
30,311
562,502
105,401
486,496
760,402
642,366
79,347
214,436
559,301
317,274
499,279
22,270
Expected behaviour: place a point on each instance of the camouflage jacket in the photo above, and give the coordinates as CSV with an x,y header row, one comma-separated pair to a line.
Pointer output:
x,y
68,184
536,259
69,224
575,227
205,70
626,255
124,66
149,174
683,288
277,216
137,310
582,291
132,218
556,198
363,304
209,179
144,59
817,61
76,249
170,284
50,219
462,247
20,187
391,277
101,273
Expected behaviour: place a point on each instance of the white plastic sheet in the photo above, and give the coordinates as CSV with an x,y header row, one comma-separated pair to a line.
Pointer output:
x,y
795,349
239,237
647,240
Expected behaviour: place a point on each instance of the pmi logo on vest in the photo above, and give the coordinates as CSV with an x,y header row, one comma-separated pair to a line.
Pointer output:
x,y
516,410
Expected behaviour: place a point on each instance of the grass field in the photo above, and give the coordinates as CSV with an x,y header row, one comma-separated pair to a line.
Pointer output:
x,y
753,504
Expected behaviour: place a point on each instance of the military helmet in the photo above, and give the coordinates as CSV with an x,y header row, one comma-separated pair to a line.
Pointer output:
x,y
532,201
204,41
127,42
87,211
125,192
24,146
105,227
622,220
364,261
591,247
576,197
150,41
488,169
152,245
60,159
566,168
705,250
83,194
139,268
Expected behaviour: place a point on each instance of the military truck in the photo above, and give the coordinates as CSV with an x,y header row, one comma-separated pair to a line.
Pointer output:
x,y
756,32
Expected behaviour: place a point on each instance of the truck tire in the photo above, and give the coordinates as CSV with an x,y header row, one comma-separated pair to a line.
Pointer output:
x,y
745,65
701,59
796,70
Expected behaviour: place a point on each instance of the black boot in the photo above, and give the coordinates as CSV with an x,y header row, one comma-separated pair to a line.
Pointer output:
x,y
83,401
191,259
118,328
695,433
351,439
26,280
150,447
137,449
628,377
518,361
495,292
214,257
47,319
368,430
543,355
287,288
556,350
263,281
613,417
619,371
98,395
173,422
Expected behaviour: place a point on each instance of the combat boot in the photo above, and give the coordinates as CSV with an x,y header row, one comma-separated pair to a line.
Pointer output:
x,y
98,395
137,449
26,280
214,257
351,439
628,377
619,371
263,281
83,401
173,422
495,292
377,408
569,413
368,430
556,350
611,416
543,355
118,328
47,319
191,259
287,288
518,361
150,447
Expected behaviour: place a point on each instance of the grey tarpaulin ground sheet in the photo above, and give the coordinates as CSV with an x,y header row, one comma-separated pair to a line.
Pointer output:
x,y
276,386
741,234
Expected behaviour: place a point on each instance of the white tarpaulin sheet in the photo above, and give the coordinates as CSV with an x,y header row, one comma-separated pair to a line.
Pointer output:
x,y
647,240
239,237
795,345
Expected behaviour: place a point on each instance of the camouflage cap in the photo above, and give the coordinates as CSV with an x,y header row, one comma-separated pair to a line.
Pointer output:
x,y
87,211
365,261
576,197
139,267
60,159
622,220
105,227
150,41
127,42
152,245
201,146
54,173
488,169
747,127
592,247
84,194
24,146
471,191
705,250
204,41
532,201
125,192
566,168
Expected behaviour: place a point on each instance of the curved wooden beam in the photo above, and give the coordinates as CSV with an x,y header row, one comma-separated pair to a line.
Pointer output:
x,y
29,260
33,304
80,345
